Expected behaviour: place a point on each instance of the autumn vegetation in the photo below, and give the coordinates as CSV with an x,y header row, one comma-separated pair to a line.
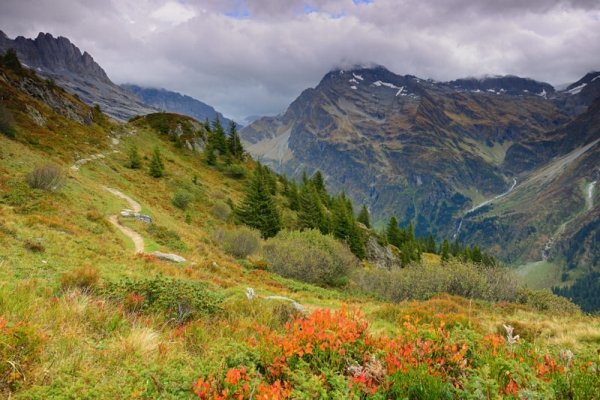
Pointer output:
x,y
82,316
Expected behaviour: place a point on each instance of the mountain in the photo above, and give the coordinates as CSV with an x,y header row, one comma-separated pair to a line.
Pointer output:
x,y
177,103
427,151
60,60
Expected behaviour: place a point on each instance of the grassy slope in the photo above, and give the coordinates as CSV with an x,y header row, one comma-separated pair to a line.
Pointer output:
x,y
78,345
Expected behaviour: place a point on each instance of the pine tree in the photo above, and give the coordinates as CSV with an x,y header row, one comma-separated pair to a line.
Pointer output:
x,y
258,209
445,251
210,156
218,138
294,196
363,217
311,214
393,233
476,256
135,161
431,246
157,168
234,142
207,125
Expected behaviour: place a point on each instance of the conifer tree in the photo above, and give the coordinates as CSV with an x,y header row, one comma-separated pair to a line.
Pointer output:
x,y
218,138
431,246
210,156
445,251
393,232
311,214
157,168
363,217
294,196
234,142
207,125
476,256
135,161
258,209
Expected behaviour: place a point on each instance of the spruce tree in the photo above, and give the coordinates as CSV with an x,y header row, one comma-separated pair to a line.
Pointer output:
x,y
431,246
311,214
157,168
294,196
210,156
234,142
363,217
135,161
393,233
218,138
445,251
258,209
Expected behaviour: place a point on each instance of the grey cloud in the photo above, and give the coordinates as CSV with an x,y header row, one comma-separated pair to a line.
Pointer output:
x,y
259,64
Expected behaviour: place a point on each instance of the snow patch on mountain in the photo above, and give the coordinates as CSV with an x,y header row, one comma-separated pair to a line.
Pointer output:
x,y
390,85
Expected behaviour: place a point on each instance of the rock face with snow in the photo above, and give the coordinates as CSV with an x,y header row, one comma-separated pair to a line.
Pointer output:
x,y
404,145
430,151
59,59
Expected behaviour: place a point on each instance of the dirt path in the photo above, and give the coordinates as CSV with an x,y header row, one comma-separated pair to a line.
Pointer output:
x,y
137,239
135,206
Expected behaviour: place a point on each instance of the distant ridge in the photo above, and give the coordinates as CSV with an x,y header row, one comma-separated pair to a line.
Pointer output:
x,y
177,103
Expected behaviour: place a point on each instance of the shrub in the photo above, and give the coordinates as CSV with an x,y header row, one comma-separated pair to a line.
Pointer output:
x,y
236,171
545,300
7,122
182,200
166,237
176,299
421,282
83,278
310,256
47,177
220,210
240,243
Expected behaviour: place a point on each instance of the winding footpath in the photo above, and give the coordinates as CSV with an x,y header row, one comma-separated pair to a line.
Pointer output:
x,y
137,239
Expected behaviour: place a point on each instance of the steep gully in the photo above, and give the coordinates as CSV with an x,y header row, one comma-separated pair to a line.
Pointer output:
x,y
485,203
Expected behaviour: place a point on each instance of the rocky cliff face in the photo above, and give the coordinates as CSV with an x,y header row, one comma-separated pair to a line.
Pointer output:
x,y
177,103
59,59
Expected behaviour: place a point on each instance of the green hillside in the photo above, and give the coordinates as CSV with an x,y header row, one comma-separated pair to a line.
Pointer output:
x,y
83,315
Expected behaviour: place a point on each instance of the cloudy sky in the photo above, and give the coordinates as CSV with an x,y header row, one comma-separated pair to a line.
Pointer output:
x,y
253,57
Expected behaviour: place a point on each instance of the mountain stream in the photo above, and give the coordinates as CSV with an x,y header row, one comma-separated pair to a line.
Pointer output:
x,y
485,203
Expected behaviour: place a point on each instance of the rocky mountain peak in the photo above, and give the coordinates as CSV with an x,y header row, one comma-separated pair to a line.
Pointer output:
x,y
508,84
51,56
77,73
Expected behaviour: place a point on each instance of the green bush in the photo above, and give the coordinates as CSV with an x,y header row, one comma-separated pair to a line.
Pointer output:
x,y
178,300
166,237
545,300
421,282
240,242
47,177
182,199
310,256
236,171
220,210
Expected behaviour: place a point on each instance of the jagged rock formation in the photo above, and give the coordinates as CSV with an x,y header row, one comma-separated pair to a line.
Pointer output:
x,y
177,103
60,60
